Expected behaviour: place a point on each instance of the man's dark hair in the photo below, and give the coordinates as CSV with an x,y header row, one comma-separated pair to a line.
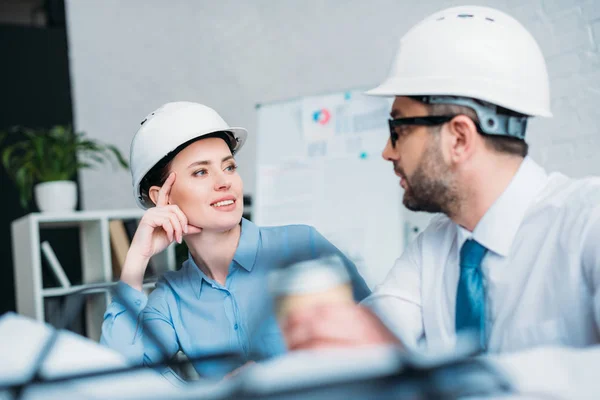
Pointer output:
x,y
501,144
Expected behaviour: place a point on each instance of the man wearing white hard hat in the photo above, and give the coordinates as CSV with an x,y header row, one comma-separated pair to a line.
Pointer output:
x,y
513,255
185,175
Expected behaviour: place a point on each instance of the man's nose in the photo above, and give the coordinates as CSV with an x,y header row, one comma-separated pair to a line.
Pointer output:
x,y
388,152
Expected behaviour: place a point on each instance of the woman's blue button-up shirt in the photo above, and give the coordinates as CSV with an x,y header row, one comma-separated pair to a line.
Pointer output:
x,y
188,311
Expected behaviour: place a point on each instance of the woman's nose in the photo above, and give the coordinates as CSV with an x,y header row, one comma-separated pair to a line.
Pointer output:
x,y
222,182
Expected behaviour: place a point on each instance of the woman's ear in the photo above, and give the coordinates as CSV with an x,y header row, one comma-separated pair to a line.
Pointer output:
x,y
153,193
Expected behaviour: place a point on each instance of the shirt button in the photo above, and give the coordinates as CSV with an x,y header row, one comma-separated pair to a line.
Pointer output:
x,y
235,327
138,302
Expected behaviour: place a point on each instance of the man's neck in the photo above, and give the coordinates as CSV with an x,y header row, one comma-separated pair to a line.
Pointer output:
x,y
482,186
213,251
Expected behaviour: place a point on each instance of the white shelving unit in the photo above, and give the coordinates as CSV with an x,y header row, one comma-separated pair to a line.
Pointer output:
x,y
96,262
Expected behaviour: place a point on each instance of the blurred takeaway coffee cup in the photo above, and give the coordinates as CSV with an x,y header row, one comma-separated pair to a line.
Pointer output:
x,y
309,283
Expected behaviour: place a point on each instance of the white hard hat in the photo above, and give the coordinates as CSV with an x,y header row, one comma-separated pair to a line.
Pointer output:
x,y
168,127
474,52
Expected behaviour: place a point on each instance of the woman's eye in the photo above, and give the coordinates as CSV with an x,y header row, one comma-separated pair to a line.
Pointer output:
x,y
231,168
200,172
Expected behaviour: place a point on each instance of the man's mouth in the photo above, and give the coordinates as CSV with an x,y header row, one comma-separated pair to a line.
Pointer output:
x,y
402,177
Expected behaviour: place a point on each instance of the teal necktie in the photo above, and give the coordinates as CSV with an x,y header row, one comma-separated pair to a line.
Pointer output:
x,y
470,296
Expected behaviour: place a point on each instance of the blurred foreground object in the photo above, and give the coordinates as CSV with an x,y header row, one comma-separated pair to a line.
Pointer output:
x,y
79,368
309,283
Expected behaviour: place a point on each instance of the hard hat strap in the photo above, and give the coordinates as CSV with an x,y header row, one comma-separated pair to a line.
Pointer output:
x,y
491,121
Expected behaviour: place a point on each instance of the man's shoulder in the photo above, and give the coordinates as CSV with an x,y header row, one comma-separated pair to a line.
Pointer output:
x,y
564,192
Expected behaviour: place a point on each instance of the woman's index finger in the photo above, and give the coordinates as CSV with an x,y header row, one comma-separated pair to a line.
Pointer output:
x,y
165,190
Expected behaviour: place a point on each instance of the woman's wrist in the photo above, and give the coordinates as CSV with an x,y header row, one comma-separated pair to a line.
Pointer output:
x,y
134,269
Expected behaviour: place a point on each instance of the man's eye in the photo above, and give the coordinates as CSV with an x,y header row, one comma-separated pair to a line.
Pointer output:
x,y
401,130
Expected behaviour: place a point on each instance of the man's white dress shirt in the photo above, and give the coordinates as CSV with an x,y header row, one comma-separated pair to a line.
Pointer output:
x,y
541,273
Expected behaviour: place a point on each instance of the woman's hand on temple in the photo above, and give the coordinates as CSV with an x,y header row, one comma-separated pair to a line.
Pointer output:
x,y
158,228
161,225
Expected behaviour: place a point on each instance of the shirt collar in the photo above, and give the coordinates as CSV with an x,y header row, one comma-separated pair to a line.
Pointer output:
x,y
194,274
247,249
245,255
499,225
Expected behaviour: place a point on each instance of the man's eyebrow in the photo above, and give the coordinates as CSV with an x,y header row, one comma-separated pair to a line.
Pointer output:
x,y
395,113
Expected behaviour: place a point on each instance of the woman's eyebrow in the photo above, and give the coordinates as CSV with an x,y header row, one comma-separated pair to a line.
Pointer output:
x,y
196,163
208,162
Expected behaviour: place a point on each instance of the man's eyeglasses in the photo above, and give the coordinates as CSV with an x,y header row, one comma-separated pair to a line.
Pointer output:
x,y
429,120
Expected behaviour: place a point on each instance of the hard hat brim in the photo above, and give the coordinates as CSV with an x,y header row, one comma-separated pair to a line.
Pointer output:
x,y
409,87
240,135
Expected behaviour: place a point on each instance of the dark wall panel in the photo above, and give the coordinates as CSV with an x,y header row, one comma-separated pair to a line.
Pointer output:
x,y
35,92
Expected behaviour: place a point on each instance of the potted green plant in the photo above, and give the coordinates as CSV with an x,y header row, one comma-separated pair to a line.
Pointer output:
x,y
45,161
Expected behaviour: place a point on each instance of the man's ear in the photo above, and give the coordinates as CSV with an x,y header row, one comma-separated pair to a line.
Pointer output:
x,y
153,193
463,138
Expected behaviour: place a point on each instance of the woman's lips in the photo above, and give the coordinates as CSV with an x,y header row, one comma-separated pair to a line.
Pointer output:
x,y
225,204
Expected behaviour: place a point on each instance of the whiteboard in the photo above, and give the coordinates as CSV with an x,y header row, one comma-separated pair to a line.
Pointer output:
x,y
319,163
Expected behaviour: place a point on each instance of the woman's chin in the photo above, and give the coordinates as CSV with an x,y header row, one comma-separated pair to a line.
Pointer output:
x,y
223,224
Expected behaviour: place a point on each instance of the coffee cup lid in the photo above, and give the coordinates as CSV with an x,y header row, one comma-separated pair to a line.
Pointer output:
x,y
309,276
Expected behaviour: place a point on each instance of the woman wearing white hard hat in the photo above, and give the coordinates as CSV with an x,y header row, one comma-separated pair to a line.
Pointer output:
x,y
184,174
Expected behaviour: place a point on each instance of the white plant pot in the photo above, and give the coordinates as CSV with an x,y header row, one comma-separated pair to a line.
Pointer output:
x,y
56,196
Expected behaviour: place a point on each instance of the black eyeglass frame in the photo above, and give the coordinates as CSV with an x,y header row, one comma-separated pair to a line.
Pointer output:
x,y
426,120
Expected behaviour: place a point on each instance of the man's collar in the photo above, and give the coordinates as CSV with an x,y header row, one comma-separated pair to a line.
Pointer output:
x,y
499,225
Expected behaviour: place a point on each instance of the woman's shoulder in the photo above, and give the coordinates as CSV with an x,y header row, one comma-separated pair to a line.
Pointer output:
x,y
292,228
292,232
292,239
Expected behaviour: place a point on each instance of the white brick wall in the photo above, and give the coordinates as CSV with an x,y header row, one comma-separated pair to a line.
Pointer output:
x,y
128,57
